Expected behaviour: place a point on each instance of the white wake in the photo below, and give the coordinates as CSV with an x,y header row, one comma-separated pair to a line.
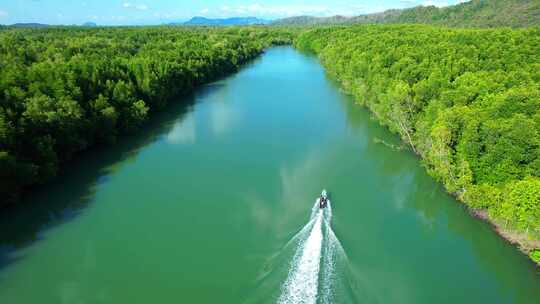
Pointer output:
x,y
312,269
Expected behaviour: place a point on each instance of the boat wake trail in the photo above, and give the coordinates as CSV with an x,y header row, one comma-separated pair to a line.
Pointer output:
x,y
312,272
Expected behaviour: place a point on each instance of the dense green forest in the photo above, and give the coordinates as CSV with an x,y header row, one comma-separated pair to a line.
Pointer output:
x,y
467,101
64,90
475,13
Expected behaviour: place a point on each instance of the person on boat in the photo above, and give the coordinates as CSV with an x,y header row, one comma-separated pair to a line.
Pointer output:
x,y
323,200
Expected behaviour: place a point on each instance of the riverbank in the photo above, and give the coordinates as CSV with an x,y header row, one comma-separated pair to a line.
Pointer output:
x,y
96,84
527,245
465,112
236,173
521,240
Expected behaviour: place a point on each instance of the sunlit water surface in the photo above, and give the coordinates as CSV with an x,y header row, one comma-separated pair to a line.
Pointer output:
x,y
212,203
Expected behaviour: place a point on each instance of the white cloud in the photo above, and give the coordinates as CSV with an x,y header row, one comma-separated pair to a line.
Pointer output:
x,y
205,11
183,132
168,15
437,3
118,18
377,9
222,119
289,10
140,7
3,14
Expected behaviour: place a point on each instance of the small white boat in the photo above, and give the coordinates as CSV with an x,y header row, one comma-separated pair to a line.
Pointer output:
x,y
323,200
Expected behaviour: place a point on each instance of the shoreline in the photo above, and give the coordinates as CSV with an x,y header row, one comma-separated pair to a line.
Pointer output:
x,y
518,239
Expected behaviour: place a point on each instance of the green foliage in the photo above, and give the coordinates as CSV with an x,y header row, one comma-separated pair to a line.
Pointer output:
x,y
14,175
63,90
467,101
521,204
475,13
535,255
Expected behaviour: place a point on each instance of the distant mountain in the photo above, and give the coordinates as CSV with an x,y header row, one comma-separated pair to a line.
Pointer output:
x,y
29,25
310,20
475,13
226,21
89,24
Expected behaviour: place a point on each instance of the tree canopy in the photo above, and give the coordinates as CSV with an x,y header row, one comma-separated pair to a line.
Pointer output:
x,y
475,13
64,90
467,101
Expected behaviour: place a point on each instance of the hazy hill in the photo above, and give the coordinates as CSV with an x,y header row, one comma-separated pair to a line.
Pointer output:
x,y
225,21
29,25
475,13
310,20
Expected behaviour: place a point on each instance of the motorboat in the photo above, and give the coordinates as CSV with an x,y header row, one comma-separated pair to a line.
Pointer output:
x,y
323,200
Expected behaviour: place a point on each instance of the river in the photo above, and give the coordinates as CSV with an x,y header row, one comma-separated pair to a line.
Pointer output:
x,y
212,203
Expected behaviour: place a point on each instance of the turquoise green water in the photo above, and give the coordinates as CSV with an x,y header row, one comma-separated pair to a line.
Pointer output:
x,y
207,205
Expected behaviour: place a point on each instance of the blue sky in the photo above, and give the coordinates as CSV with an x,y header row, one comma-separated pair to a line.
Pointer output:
x,y
118,12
